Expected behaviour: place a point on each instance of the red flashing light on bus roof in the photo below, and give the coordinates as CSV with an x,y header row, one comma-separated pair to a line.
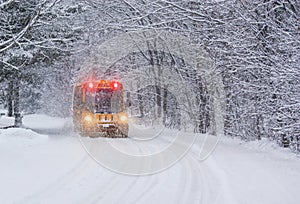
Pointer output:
x,y
91,85
115,85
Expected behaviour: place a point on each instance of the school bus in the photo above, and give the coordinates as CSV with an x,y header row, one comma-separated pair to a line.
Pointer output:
x,y
99,109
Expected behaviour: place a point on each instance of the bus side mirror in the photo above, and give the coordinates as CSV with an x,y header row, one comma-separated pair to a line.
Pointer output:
x,y
128,101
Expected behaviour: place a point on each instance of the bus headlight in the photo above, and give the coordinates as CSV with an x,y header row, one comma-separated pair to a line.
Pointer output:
x,y
88,119
123,118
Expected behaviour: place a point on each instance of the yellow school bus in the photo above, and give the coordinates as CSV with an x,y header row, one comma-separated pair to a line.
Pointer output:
x,y
99,109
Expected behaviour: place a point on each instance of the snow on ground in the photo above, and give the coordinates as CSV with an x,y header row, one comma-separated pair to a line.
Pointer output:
x,y
36,168
47,124
4,120
22,138
39,123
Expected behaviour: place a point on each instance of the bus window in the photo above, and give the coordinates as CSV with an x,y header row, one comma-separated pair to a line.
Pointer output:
x,y
77,100
103,101
117,102
108,101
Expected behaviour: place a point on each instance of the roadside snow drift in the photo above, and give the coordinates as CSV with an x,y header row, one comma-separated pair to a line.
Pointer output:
x,y
22,138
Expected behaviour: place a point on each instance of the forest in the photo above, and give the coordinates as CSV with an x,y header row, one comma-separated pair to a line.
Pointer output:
x,y
253,48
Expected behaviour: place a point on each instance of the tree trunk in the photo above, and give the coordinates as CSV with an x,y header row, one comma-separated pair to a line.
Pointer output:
x,y
165,102
18,118
10,98
159,91
140,102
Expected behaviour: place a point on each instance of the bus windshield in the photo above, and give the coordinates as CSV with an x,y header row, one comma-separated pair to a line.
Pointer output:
x,y
108,101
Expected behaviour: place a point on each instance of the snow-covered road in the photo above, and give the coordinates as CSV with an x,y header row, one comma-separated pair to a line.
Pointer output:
x,y
56,169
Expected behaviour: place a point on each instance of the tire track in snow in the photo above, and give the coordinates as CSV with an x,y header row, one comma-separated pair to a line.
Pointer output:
x,y
101,190
94,197
182,176
189,188
151,180
136,186
183,179
71,175
59,183
192,182
214,181
159,179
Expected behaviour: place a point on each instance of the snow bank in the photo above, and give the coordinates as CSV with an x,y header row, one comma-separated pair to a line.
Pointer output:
x,y
40,123
18,137
263,146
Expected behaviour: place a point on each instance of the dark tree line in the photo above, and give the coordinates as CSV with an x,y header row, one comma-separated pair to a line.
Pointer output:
x,y
34,35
